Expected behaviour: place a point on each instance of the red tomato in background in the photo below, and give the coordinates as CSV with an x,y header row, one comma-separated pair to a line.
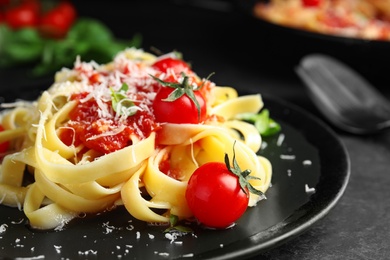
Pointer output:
x,y
215,197
177,65
3,146
23,15
311,3
181,111
4,2
57,21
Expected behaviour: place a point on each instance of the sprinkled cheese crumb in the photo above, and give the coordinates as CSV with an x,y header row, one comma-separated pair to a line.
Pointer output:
x,y
173,236
17,222
309,190
307,163
92,252
58,249
33,258
280,140
170,237
287,157
3,228
188,255
108,228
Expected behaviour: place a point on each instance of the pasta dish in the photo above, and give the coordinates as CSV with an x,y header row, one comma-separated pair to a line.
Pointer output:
x,y
96,140
348,18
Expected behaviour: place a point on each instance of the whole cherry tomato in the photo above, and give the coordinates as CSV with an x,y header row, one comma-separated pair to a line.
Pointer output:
x,y
57,21
24,15
179,104
183,110
3,146
215,196
177,65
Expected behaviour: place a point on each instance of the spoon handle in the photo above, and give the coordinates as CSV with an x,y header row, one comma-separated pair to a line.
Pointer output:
x,y
344,81
343,96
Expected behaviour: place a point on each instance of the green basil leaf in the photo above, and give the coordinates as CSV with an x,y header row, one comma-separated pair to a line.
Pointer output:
x,y
90,30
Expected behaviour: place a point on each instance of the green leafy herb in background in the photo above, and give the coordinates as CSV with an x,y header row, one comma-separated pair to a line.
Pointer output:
x,y
262,121
88,38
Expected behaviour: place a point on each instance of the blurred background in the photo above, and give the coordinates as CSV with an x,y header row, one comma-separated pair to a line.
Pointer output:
x,y
226,29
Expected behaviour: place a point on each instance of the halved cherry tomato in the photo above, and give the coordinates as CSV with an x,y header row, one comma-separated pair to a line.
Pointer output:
x,y
180,111
177,65
5,145
23,15
57,21
215,196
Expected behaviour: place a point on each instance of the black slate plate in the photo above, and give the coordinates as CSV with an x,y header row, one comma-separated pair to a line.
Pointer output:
x,y
288,211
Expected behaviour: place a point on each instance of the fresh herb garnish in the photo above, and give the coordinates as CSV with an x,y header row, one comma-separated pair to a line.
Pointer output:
x,y
173,220
262,121
88,38
121,103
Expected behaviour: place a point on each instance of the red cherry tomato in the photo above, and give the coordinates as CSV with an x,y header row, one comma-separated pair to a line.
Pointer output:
x,y
3,146
67,9
180,111
311,3
23,15
215,197
177,65
57,21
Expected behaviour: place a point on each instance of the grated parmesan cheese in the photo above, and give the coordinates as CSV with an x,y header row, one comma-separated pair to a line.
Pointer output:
x,y
309,190
3,228
287,157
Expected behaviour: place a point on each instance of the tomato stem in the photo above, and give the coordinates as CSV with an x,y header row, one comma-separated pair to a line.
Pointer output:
x,y
183,88
243,176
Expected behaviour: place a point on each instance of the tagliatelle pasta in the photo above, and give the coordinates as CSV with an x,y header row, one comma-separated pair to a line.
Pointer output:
x,y
91,143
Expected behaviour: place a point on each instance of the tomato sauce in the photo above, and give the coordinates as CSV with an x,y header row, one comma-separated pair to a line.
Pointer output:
x,y
165,167
104,135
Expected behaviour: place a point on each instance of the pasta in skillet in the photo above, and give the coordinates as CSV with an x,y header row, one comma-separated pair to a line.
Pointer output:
x,y
364,19
91,142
